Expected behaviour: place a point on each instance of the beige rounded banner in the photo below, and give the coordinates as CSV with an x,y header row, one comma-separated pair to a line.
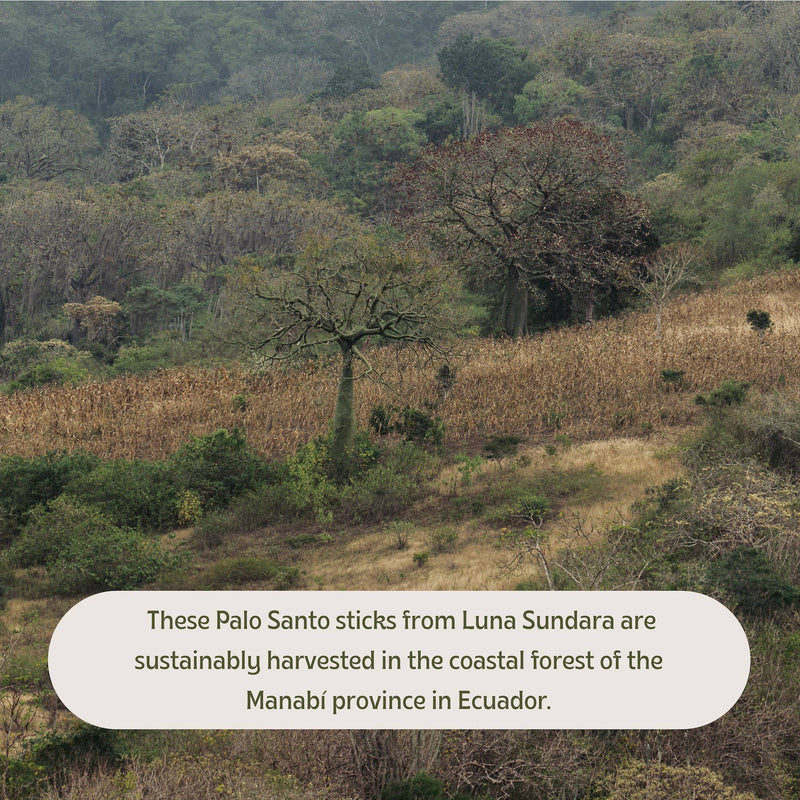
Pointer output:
x,y
399,660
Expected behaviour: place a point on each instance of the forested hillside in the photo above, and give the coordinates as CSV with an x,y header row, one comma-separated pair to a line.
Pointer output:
x,y
400,295
147,148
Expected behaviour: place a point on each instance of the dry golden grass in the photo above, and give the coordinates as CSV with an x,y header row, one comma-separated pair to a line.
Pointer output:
x,y
373,561
601,381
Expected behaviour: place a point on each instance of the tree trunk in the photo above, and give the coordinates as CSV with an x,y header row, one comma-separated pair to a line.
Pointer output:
x,y
2,320
515,304
344,417
588,308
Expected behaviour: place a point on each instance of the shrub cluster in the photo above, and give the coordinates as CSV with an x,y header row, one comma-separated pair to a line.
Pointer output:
x,y
412,423
87,521
304,487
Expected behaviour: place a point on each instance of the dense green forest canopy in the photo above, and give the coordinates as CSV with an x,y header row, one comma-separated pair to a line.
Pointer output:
x,y
146,148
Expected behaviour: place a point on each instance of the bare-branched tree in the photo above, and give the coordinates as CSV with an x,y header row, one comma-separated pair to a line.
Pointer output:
x,y
339,293
663,274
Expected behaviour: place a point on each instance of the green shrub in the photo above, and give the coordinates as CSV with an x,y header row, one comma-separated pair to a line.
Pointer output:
x,y
748,577
553,418
672,379
265,505
771,433
379,493
27,363
421,559
189,507
301,488
236,571
420,426
730,392
133,493
499,447
759,320
400,531
108,558
161,352
380,420
83,745
28,482
217,467
421,787
60,371
52,526
408,459
532,507
442,540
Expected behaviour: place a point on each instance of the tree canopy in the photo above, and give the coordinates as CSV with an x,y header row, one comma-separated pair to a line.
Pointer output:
x,y
527,205
338,292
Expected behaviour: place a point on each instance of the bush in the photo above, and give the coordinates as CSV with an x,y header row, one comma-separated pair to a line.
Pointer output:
x,y
83,745
443,540
748,577
419,426
532,507
728,393
380,420
759,320
31,363
217,467
421,787
133,493
236,571
379,493
52,526
672,379
28,482
499,447
110,559
771,433
639,780
85,552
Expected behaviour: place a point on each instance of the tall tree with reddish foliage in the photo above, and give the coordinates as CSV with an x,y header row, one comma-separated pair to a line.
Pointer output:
x,y
538,204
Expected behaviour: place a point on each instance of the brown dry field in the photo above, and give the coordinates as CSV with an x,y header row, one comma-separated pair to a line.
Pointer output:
x,y
599,382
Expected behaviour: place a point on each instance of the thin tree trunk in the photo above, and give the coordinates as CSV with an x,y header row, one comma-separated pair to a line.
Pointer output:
x,y
344,418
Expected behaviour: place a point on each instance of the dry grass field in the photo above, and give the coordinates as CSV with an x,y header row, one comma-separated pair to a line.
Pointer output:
x,y
590,383
476,561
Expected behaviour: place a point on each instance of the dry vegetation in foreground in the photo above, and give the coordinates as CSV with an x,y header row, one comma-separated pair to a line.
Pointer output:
x,y
590,382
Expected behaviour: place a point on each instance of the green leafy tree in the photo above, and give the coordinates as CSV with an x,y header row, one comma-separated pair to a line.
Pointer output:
x,y
349,78
491,69
368,145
